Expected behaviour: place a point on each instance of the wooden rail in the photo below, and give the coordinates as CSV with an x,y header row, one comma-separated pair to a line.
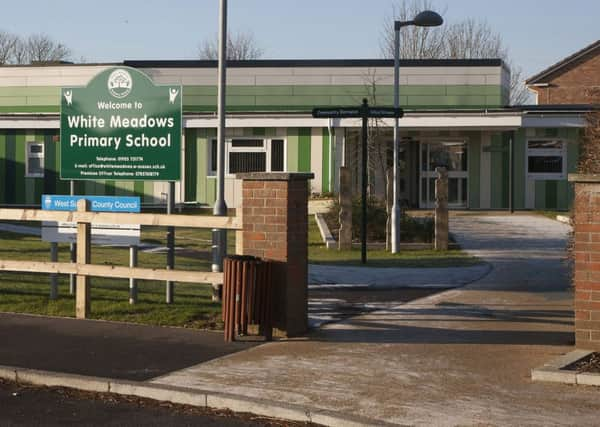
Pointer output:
x,y
163,220
114,271
83,269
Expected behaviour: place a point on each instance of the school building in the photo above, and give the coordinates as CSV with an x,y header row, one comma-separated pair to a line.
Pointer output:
x,y
456,115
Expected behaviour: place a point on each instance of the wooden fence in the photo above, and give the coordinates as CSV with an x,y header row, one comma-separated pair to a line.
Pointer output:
x,y
83,269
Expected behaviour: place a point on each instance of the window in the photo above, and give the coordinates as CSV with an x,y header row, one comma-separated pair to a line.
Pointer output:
x,y
35,160
250,155
546,159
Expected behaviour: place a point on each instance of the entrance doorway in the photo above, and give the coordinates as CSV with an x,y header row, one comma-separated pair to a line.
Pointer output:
x,y
451,154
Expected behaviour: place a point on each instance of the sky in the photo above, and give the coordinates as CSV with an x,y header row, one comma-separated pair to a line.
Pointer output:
x,y
537,33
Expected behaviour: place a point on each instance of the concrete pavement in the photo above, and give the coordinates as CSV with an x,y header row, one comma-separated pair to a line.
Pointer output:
x,y
461,357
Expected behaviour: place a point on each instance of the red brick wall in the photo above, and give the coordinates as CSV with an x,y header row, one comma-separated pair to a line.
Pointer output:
x,y
577,83
275,221
587,265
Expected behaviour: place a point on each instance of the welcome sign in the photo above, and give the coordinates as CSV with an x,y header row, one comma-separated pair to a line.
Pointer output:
x,y
121,127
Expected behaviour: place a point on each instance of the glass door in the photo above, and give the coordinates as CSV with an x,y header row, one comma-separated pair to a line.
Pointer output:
x,y
453,156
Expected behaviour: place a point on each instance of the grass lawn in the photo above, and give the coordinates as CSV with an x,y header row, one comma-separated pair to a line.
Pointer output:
x,y
192,307
319,254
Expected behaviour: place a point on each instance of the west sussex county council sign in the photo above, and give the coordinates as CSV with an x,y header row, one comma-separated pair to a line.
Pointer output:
x,y
122,127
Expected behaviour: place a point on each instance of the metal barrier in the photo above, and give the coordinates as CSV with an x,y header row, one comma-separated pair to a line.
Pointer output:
x,y
247,296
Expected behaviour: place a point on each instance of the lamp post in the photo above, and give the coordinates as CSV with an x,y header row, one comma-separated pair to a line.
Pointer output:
x,y
426,18
219,240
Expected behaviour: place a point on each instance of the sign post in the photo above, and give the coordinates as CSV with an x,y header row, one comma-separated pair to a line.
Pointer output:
x,y
363,112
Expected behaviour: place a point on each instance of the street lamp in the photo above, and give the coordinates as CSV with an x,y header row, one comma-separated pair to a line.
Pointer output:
x,y
427,18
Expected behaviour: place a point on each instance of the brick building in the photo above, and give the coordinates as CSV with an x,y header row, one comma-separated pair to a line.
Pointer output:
x,y
573,80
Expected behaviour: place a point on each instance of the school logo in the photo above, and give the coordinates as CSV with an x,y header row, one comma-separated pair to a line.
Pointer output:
x,y
120,83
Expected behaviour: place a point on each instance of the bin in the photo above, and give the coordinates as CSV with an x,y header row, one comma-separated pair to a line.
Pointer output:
x,y
247,296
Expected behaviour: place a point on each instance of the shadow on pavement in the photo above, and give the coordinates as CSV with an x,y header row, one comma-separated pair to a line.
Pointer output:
x,y
106,349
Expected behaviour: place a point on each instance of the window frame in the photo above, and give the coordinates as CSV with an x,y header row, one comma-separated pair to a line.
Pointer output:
x,y
29,155
547,152
229,148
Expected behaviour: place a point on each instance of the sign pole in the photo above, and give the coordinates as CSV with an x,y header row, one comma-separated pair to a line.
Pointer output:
x,y
53,277
170,286
73,248
133,262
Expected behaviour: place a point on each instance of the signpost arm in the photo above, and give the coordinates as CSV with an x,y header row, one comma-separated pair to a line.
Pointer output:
x,y
169,291
363,224
220,209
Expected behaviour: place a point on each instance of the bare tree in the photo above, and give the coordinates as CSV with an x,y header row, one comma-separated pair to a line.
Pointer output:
x,y
41,48
36,47
240,46
8,42
415,42
470,39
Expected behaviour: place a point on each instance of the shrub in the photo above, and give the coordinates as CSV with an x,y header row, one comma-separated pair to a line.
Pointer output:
x,y
411,229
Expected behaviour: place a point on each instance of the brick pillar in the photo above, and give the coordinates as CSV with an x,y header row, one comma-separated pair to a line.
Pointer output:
x,y
586,248
275,218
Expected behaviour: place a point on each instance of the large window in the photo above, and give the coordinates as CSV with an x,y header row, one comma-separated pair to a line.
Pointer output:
x,y
35,160
452,155
546,159
250,155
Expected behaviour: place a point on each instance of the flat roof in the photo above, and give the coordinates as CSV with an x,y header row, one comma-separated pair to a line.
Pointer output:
x,y
263,63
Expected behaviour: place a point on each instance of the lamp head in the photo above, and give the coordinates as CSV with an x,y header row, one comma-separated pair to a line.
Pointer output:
x,y
428,18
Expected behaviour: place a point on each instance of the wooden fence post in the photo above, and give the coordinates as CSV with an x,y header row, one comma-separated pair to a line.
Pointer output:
x,y
441,210
82,295
345,231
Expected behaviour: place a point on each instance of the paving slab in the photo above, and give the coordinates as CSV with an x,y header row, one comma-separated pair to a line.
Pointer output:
x,y
460,357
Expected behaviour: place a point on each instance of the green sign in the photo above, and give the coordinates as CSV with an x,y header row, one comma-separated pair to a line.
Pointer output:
x,y
122,127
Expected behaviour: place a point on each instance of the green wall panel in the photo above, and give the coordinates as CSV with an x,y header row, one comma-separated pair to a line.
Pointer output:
x,y
520,169
474,157
326,166
3,180
190,166
304,147
499,174
540,195
551,195
292,149
19,177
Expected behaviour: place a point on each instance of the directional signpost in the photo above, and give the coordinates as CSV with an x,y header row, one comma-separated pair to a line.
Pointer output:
x,y
363,112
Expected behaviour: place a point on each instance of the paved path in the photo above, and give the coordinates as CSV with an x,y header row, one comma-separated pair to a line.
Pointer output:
x,y
461,357
392,278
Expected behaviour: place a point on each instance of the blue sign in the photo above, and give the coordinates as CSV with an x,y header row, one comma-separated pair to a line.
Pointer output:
x,y
52,202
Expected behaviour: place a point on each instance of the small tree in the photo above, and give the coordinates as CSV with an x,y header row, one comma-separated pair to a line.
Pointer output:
x,y
241,46
589,148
